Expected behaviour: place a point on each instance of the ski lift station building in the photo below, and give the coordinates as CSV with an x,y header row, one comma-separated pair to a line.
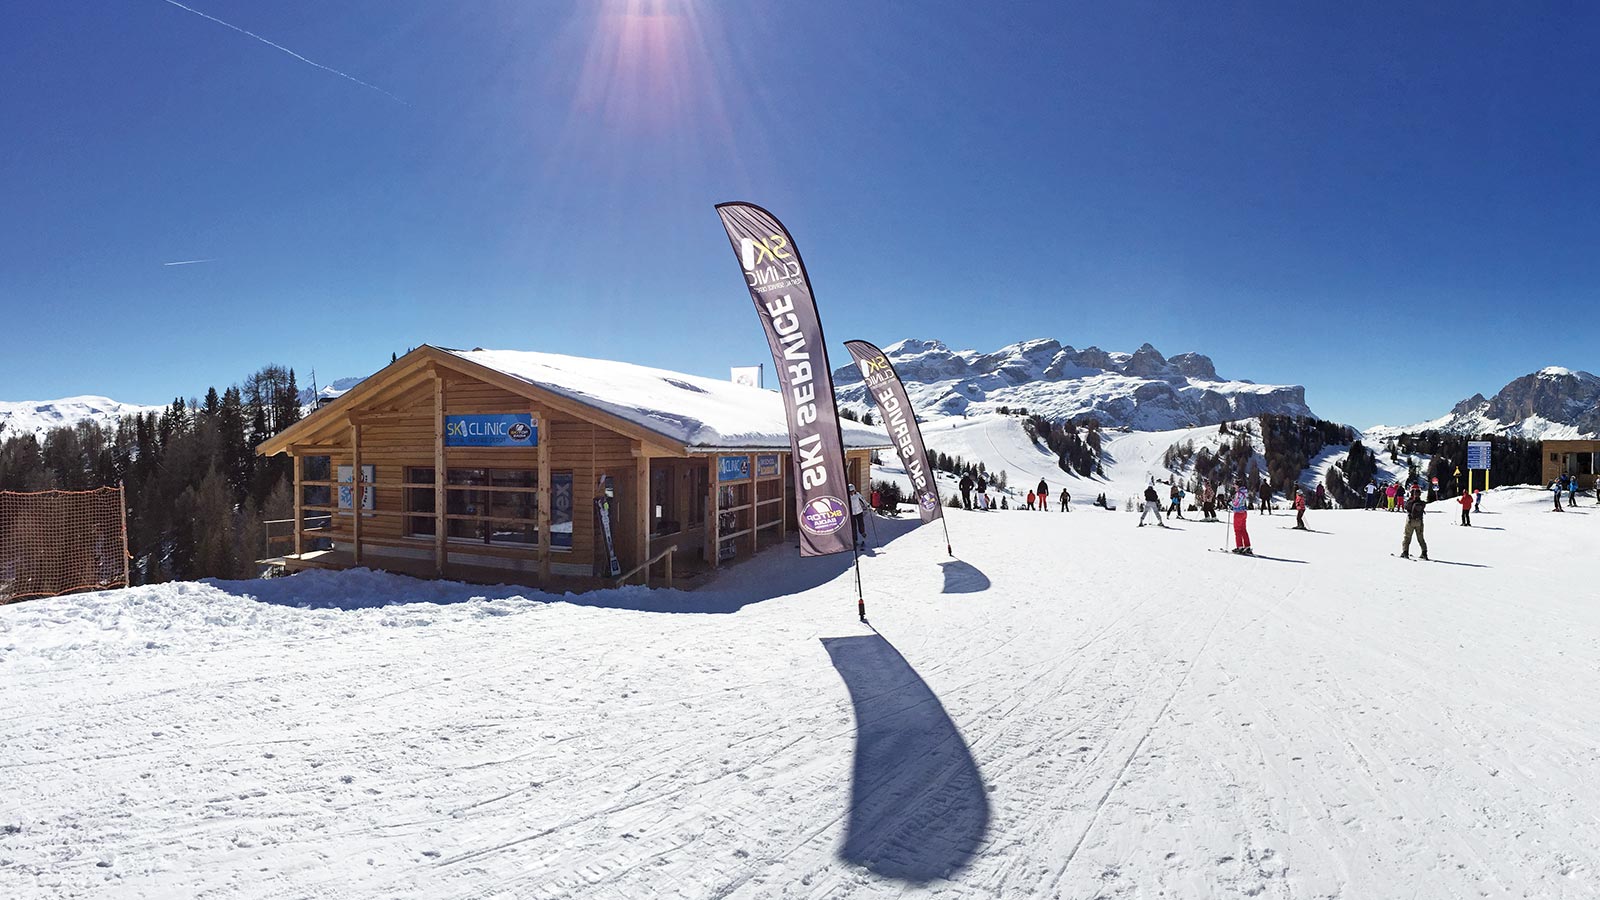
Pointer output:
x,y
486,465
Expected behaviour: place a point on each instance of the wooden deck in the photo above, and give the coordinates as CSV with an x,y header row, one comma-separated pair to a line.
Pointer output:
x,y
486,575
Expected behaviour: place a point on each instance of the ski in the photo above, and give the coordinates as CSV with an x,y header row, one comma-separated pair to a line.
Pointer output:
x,y
602,505
1254,555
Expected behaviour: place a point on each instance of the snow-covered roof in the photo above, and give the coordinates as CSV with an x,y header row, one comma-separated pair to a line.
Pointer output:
x,y
696,412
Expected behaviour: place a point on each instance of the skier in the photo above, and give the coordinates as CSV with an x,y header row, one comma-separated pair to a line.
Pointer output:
x,y
1322,496
858,514
1572,491
1152,504
1175,507
1030,499
1556,490
1389,490
1065,499
966,491
1208,502
1466,508
1415,507
1241,508
1266,497
1433,489
1372,495
1300,510
1044,496
983,493
1477,500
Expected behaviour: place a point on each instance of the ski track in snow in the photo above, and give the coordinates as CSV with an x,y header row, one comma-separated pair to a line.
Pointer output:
x,y
1144,718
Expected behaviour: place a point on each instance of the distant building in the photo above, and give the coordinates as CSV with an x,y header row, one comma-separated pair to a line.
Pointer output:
x,y
1571,458
485,465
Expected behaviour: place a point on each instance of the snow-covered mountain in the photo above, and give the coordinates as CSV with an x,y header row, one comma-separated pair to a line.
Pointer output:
x,y
330,391
38,416
1550,404
1142,390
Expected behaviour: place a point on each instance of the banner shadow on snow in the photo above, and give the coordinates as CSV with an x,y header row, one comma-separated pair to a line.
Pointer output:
x,y
919,809
963,578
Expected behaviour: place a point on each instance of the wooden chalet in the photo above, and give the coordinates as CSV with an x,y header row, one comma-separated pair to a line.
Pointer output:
x,y
485,465
1580,458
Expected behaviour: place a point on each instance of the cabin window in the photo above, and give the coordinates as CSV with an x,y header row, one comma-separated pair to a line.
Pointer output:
x,y
419,502
316,477
699,495
663,501
489,506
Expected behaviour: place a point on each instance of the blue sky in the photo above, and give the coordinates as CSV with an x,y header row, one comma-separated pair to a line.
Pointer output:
x,y
1393,207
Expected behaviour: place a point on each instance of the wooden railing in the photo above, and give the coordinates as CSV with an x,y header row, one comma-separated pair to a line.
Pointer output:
x,y
274,535
645,568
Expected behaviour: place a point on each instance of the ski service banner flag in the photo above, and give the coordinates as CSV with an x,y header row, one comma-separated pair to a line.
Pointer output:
x,y
782,293
894,406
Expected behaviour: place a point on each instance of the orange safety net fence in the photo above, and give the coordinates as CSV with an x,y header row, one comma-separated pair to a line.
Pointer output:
x,y
56,542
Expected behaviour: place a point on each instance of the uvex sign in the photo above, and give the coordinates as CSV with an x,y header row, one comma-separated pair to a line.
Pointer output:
x,y
491,430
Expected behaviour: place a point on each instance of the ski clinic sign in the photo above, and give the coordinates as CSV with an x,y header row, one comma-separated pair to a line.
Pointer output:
x,y
733,468
778,285
491,430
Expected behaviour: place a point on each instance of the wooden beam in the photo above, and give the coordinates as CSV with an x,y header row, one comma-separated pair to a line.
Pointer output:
x,y
713,520
299,506
441,550
545,432
355,487
408,373
755,507
641,476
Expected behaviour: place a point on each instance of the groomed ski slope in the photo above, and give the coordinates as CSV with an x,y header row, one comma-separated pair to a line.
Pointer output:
x,y
1076,707
1130,459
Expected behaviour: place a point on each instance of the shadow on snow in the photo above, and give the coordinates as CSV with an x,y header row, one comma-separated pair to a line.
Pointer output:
x,y
963,578
774,572
919,809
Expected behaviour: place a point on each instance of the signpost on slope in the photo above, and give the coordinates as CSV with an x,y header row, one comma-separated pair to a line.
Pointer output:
x,y
1477,458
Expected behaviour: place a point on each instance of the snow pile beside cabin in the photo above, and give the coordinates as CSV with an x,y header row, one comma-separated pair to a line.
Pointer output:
x,y
694,411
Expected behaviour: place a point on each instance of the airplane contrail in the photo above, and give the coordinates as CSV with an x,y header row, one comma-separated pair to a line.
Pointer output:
x,y
250,34
189,262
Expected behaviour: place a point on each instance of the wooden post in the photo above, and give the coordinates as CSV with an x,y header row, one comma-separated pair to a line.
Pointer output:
x,y
127,558
783,494
355,486
441,551
755,504
713,520
641,523
543,497
299,507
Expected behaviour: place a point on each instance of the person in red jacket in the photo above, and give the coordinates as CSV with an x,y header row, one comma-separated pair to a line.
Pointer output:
x,y
1300,510
1466,508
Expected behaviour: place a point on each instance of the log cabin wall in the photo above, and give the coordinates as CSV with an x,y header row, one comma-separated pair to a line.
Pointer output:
x,y
499,512
397,442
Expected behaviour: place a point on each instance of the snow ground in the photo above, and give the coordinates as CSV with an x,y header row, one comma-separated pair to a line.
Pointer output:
x,y
1073,708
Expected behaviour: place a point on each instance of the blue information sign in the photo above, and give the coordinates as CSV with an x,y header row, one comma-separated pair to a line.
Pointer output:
x,y
1478,454
491,430
767,465
733,468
